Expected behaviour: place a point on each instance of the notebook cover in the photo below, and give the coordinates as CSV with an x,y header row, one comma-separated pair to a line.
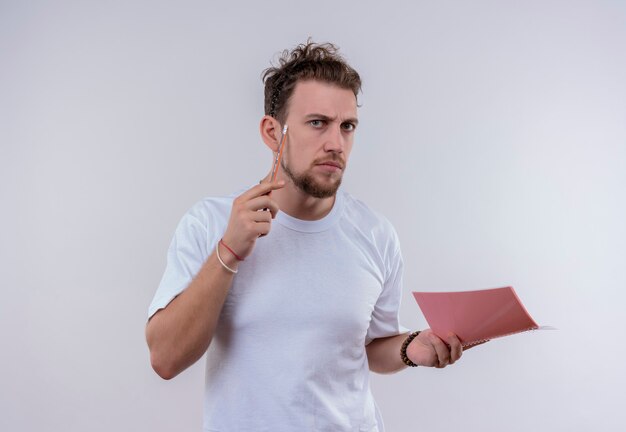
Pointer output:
x,y
475,316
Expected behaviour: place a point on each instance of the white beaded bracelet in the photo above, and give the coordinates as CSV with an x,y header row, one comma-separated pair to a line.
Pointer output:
x,y
217,249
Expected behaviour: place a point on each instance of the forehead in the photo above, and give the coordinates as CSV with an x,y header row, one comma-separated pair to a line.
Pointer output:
x,y
322,98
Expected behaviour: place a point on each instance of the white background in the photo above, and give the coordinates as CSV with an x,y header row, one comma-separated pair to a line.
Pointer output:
x,y
492,135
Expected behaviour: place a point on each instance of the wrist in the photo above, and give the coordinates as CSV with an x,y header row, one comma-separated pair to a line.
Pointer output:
x,y
403,355
230,250
226,259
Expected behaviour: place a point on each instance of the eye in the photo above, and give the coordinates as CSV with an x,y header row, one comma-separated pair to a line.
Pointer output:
x,y
348,127
316,123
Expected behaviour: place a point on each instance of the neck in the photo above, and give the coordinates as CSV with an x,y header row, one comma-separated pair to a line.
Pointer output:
x,y
294,202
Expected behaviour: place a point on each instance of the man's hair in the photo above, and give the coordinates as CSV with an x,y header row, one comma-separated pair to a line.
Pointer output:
x,y
310,61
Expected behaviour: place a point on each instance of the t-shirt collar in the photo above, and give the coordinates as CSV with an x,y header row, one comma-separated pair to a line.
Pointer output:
x,y
316,225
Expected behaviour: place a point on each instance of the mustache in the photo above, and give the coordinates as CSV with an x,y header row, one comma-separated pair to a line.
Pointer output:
x,y
335,158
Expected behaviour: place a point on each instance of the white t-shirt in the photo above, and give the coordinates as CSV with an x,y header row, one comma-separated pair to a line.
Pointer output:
x,y
289,349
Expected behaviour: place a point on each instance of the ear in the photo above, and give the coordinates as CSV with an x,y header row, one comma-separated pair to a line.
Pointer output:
x,y
270,132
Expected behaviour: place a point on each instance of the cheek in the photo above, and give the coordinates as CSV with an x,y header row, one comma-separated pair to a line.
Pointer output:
x,y
301,154
347,150
296,157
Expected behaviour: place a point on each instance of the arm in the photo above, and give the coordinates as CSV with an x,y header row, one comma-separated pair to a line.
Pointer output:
x,y
426,349
179,334
383,354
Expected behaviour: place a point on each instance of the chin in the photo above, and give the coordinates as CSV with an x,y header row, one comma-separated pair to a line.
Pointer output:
x,y
312,185
321,189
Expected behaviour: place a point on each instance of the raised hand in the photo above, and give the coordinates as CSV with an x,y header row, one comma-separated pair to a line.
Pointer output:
x,y
251,217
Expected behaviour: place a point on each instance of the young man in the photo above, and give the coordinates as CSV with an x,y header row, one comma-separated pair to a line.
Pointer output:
x,y
293,286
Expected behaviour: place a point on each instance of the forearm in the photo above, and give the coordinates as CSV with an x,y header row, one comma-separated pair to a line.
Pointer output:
x,y
383,354
180,334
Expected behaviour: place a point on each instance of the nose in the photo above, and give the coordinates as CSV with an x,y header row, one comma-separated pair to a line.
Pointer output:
x,y
334,141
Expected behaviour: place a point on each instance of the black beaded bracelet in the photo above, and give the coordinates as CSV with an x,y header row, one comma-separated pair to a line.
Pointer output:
x,y
405,344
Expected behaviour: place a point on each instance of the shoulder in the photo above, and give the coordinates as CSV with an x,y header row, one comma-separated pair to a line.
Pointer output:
x,y
210,207
359,212
210,214
369,222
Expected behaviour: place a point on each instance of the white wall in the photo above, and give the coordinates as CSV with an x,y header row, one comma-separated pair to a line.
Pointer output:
x,y
495,131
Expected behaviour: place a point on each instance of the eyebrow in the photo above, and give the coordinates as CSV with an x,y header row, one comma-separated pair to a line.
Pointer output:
x,y
327,118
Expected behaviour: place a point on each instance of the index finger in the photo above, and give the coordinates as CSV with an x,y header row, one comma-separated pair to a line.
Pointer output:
x,y
262,189
456,349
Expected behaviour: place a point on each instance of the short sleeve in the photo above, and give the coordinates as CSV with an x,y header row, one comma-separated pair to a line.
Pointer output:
x,y
385,320
186,254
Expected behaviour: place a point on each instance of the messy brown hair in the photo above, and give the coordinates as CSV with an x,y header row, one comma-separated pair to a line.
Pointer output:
x,y
309,61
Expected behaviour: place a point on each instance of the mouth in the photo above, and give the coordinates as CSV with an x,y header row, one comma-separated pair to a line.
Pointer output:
x,y
331,164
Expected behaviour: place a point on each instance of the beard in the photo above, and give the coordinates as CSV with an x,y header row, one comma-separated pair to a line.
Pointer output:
x,y
307,183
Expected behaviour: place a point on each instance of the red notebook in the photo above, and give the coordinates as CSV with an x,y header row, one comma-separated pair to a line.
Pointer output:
x,y
475,316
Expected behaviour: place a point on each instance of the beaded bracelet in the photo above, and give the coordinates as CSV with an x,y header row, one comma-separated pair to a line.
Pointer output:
x,y
405,359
